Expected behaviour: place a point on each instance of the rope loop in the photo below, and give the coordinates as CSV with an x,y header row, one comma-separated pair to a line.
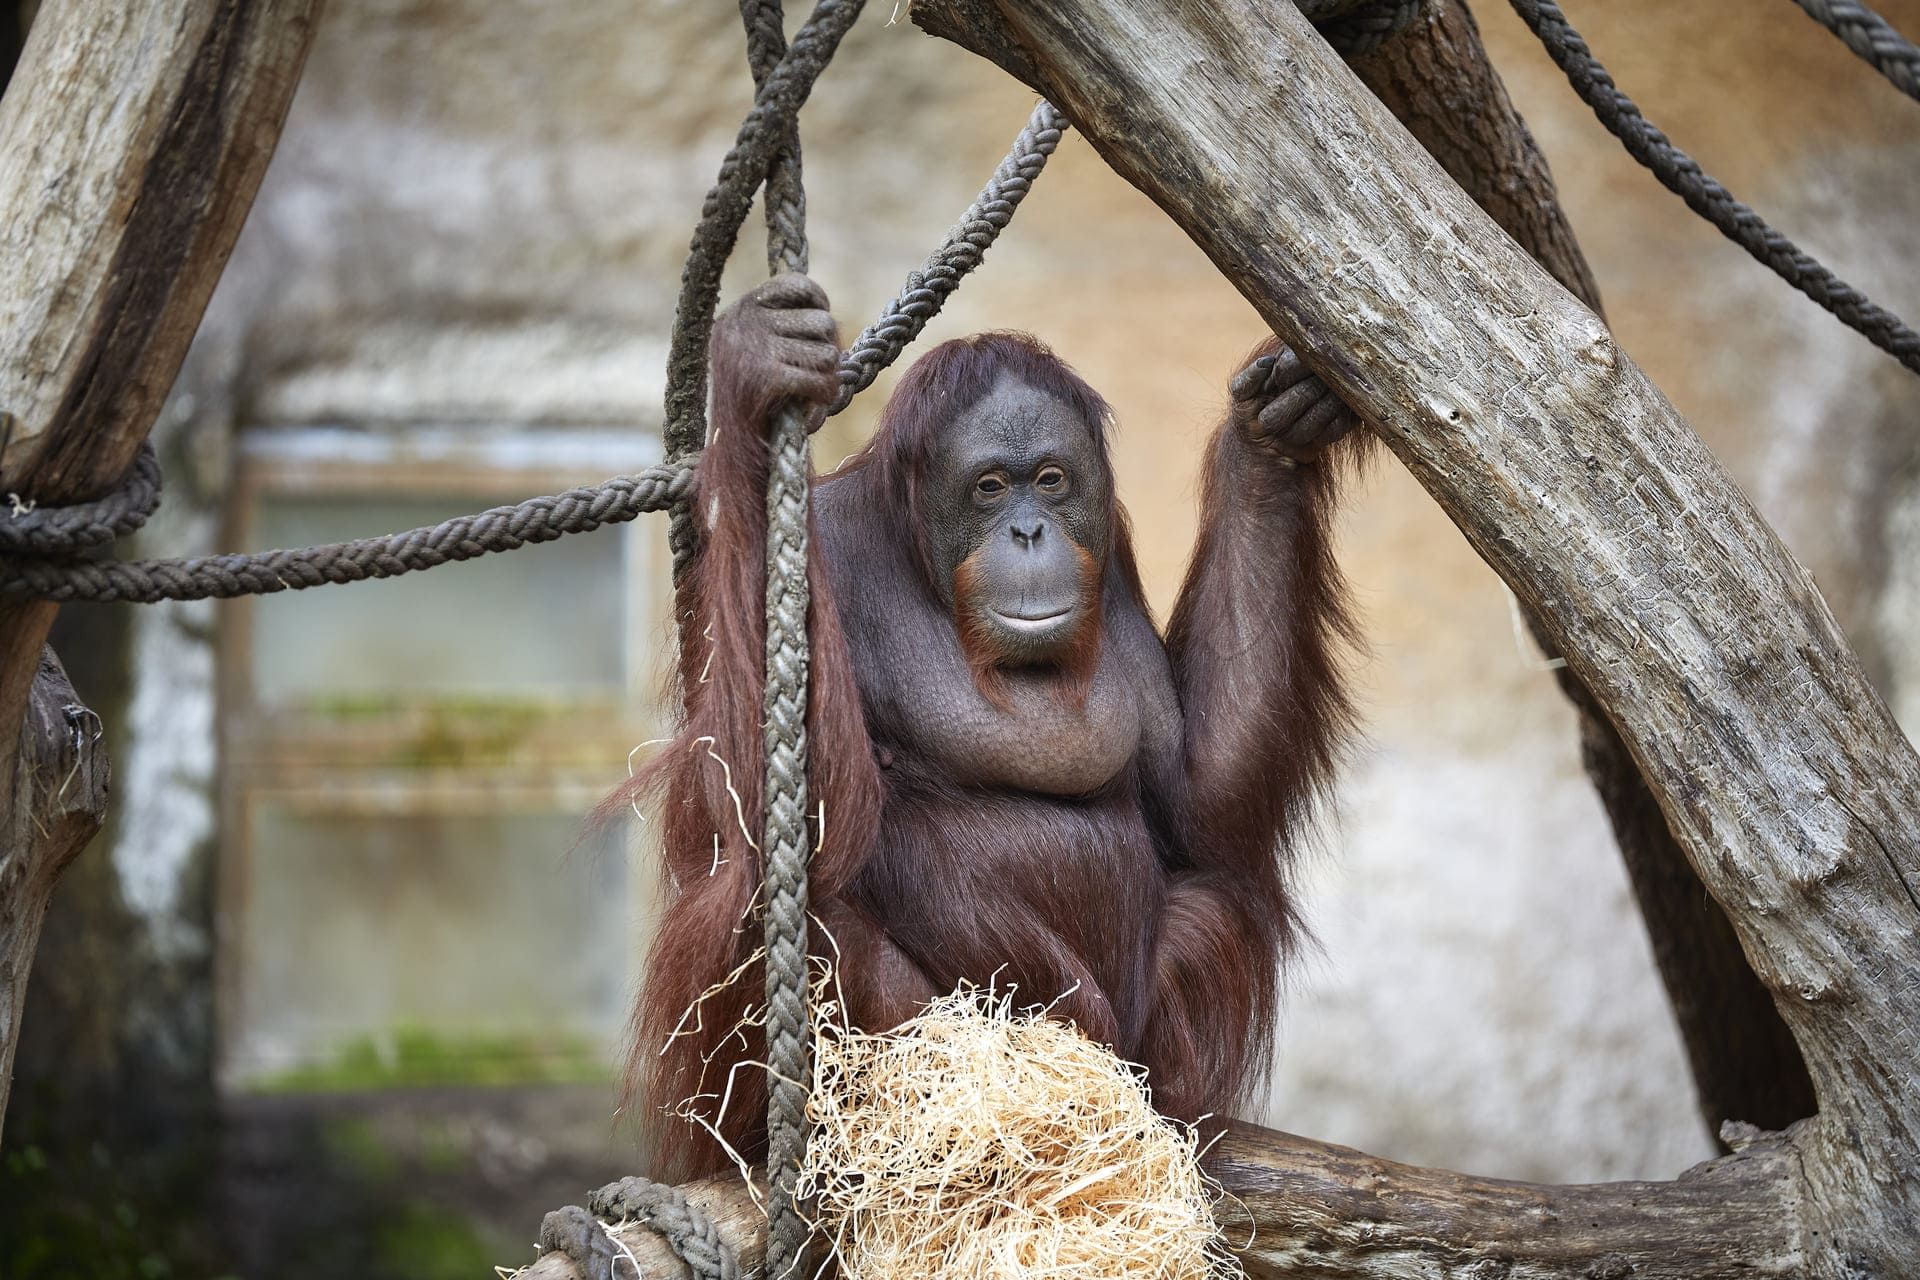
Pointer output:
x,y
32,529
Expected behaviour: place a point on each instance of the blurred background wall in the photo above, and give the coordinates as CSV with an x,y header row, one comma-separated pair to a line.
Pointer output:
x,y
340,986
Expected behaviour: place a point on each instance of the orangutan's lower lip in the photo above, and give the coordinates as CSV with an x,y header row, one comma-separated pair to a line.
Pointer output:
x,y
1020,623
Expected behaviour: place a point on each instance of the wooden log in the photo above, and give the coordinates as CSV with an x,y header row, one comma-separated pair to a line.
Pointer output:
x,y
132,139
1294,1209
1437,81
1789,786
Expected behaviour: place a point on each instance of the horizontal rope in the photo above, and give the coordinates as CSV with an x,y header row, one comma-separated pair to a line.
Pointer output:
x,y
37,557
267,572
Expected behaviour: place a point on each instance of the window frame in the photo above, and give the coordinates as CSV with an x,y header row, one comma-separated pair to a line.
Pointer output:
x,y
568,753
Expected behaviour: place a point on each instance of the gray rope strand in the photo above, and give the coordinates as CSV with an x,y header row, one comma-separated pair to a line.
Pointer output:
x,y
786,194
262,573
928,288
1706,197
784,707
1873,38
784,843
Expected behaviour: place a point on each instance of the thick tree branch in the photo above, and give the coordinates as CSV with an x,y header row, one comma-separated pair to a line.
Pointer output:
x,y
132,139
1789,786
1300,1210
1436,80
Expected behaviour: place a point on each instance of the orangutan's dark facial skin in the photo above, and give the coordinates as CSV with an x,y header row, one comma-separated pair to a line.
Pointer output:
x,y
1017,505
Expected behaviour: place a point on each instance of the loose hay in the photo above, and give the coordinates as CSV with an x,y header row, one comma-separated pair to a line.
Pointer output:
x,y
977,1143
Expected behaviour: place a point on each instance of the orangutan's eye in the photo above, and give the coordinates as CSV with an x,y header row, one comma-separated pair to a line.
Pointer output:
x,y
1051,480
991,485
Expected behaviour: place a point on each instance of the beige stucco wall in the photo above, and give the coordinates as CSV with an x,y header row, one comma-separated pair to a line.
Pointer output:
x,y
478,212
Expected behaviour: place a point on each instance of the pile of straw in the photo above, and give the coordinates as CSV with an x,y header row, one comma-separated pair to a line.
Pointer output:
x,y
980,1143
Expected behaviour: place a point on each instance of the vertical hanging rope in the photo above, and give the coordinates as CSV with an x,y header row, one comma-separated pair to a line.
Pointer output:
x,y
784,844
783,839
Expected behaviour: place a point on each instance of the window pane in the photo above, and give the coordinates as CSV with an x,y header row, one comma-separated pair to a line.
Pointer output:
x,y
543,621
425,948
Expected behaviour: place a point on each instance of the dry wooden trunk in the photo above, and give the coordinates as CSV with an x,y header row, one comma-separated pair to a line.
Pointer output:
x,y
132,139
1436,80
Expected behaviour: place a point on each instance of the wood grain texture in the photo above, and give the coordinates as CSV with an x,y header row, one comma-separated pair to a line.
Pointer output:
x,y
1437,81
1782,774
133,136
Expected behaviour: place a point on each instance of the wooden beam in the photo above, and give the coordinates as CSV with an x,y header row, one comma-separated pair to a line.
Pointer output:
x,y
133,136
1789,786
1437,81
1293,1209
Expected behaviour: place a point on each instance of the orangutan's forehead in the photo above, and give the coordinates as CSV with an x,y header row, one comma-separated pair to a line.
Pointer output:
x,y
1015,422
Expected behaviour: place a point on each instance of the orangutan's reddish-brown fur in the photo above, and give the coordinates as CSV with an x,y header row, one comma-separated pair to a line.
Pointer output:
x,y
1160,898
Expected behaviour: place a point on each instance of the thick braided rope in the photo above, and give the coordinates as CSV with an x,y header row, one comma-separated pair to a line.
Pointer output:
x,y
81,526
1706,197
670,1215
1873,38
785,847
262,573
786,194
1357,27
783,792
928,288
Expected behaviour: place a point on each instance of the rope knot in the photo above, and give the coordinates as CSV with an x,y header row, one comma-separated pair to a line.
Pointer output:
x,y
45,532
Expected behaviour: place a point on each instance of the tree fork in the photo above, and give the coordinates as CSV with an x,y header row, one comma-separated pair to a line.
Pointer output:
x,y
1779,770
1436,79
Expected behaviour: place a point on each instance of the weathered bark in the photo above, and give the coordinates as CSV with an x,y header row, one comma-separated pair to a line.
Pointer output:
x,y
1436,80
1790,788
132,139
59,800
1297,1210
